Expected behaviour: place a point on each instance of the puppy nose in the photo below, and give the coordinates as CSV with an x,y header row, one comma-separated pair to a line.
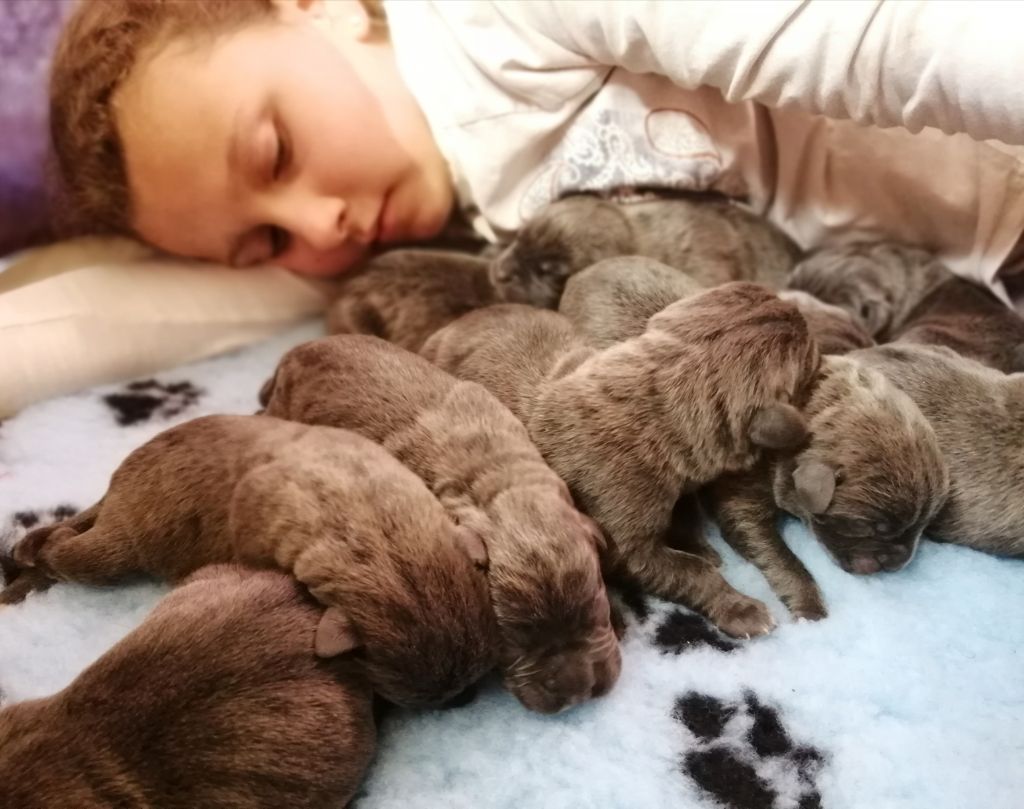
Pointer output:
x,y
865,565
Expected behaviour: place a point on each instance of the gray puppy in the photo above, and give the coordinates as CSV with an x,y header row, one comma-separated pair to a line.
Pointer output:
x,y
871,459
404,296
711,238
903,293
879,283
978,416
557,643
216,700
707,385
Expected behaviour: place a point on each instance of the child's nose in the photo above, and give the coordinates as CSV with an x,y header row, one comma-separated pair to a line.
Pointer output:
x,y
317,221
322,224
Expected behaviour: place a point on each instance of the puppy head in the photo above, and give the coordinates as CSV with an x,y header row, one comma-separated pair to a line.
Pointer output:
x,y
873,281
872,476
423,628
558,645
404,296
564,238
753,356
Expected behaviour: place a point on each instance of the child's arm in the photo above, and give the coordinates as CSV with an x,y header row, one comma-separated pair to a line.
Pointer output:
x,y
947,65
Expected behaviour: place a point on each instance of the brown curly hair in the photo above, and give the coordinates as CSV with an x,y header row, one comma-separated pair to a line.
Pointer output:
x,y
101,44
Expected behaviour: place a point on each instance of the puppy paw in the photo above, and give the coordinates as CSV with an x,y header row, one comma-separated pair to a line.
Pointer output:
x,y
28,551
808,609
743,617
27,581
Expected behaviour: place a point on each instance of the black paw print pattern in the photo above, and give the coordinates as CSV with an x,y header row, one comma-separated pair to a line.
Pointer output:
x,y
683,631
741,755
21,522
139,401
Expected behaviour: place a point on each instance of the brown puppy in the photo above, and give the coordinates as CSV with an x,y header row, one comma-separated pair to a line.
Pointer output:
x,y
404,296
709,237
878,283
354,525
978,416
834,329
699,393
867,483
558,647
612,300
217,699
970,320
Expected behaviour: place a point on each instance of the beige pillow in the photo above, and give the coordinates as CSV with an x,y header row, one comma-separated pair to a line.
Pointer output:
x,y
92,311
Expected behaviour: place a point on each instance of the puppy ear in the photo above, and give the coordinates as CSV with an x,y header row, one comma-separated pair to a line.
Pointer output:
x,y
815,484
267,391
778,426
473,545
335,634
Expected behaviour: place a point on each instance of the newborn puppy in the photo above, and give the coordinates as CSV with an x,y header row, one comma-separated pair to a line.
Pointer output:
x,y
217,699
866,484
612,300
978,416
878,283
631,428
557,643
404,296
353,524
834,329
710,238
970,320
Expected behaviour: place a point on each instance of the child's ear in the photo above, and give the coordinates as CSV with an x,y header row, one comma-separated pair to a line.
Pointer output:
x,y
335,634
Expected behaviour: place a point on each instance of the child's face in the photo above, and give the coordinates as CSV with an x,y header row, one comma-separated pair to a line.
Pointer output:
x,y
295,142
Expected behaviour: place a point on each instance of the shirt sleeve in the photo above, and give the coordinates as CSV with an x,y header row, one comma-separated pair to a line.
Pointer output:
x,y
951,65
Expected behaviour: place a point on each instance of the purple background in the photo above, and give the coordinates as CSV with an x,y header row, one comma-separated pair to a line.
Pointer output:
x,y
28,32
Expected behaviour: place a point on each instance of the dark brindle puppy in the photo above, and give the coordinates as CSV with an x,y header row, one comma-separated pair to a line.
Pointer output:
x,y
631,428
217,699
558,647
970,320
404,296
905,294
978,416
353,524
872,459
710,238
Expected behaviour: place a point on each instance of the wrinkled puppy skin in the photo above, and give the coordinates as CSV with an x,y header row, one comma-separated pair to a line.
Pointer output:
x,y
612,300
404,296
354,525
709,384
557,643
708,237
217,699
834,329
878,283
978,416
972,321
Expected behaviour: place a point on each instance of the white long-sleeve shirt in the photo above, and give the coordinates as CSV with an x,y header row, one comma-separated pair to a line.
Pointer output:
x,y
834,119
